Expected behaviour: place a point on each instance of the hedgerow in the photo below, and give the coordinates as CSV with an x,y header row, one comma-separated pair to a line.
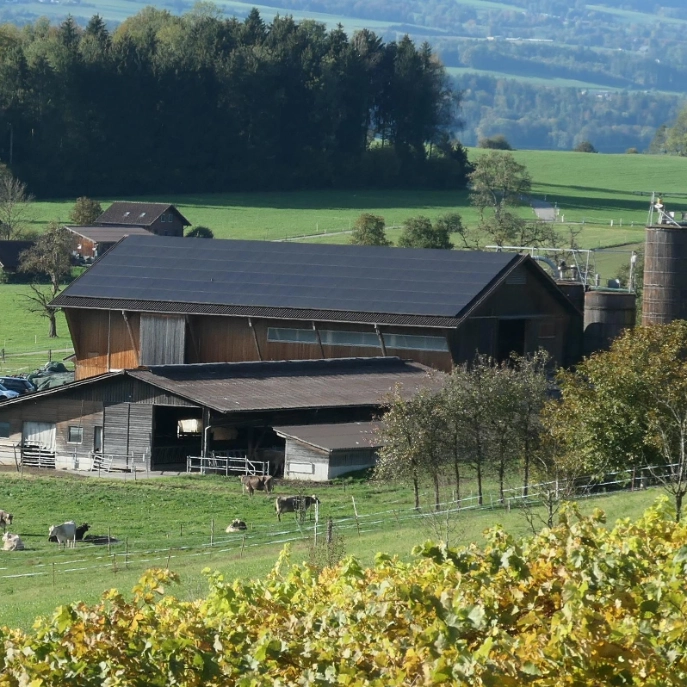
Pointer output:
x,y
578,604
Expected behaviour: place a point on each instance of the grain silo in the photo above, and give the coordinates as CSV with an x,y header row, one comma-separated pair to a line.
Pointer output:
x,y
607,313
665,274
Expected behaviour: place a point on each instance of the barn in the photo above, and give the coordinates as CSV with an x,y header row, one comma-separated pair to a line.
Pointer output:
x,y
157,300
317,453
155,417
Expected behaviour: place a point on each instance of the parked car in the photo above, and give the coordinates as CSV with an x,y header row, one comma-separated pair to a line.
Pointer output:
x,y
6,394
19,384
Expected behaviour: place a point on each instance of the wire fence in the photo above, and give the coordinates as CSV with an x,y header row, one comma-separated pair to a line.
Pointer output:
x,y
117,555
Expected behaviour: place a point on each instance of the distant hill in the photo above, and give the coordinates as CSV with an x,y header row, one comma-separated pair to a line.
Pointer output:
x,y
546,73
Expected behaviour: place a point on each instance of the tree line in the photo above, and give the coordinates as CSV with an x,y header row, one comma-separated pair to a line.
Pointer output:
x,y
200,103
521,423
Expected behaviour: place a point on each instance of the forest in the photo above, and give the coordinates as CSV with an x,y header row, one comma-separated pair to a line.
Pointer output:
x,y
199,102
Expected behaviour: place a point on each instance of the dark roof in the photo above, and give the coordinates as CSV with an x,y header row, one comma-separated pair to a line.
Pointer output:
x,y
273,386
171,274
334,437
299,384
10,251
137,214
109,234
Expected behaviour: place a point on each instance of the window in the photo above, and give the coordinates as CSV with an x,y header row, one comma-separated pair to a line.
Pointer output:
x,y
4,430
75,435
355,339
308,336
415,343
163,218
97,440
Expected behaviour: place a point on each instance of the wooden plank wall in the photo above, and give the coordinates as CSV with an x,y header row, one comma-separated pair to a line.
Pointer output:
x,y
128,429
302,462
162,339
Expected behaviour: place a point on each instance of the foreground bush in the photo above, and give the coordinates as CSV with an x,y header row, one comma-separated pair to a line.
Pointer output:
x,y
575,605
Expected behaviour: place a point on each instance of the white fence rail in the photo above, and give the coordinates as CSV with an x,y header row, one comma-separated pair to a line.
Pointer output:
x,y
226,464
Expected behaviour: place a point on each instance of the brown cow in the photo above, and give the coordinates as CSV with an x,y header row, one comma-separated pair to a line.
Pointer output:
x,y
253,483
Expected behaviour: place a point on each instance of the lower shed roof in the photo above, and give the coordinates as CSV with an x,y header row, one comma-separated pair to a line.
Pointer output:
x,y
271,386
340,436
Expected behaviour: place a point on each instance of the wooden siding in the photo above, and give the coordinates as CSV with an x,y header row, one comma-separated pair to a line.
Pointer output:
x,y
162,340
128,429
103,341
305,463
173,228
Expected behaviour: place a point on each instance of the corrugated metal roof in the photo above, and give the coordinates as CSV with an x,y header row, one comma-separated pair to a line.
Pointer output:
x,y
109,234
297,276
299,384
334,437
137,214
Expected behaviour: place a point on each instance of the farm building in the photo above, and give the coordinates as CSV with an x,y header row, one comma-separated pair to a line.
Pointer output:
x,y
167,301
10,252
317,453
159,415
157,218
91,242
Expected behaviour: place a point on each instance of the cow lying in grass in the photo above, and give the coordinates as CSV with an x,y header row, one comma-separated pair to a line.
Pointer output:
x,y
294,504
12,542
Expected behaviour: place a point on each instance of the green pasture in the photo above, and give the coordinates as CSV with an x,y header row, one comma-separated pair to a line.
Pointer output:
x,y
168,522
24,335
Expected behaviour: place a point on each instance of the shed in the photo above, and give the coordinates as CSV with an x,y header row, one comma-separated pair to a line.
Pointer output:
x,y
91,242
318,453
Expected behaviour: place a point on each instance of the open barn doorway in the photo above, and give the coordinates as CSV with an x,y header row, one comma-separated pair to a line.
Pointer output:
x,y
511,338
177,433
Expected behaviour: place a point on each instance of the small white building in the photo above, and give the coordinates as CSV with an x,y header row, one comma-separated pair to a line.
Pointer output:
x,y
317,453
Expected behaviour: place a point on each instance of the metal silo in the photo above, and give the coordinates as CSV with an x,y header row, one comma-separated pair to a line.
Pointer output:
x,y
606,315
665,274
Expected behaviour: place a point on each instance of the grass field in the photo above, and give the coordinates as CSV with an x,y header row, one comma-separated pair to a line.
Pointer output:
x,y
168,521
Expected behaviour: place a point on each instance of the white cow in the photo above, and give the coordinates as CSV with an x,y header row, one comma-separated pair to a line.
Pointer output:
x,y
12,542
64,533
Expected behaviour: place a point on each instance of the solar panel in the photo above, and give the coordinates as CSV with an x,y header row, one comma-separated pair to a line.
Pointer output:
x,y
291,275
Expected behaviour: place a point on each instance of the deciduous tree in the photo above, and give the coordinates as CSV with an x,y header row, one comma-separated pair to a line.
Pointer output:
x,y
200,232
419,232
85,212
15,206
369,230
49,257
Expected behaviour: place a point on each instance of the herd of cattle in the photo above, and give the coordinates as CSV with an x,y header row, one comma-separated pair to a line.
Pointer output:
x,y
68,533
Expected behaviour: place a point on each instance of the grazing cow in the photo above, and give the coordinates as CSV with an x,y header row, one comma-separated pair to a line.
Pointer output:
x,y
80,531
294,504
236,526
64,533
253,483
5,519
12,542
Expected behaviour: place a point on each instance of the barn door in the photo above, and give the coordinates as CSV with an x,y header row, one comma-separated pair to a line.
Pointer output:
x,y
163,339
127,432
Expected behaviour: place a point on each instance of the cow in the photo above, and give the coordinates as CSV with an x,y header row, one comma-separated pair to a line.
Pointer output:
x,y
12,542
5,519
294,504
237,526
253,483
80,531
64,533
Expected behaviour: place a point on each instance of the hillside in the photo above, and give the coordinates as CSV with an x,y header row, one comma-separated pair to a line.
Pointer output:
x,y
546,73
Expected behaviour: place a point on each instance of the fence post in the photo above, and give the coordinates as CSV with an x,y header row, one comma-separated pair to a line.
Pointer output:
x,y
109,540
212,532
53,573
126,553
243,545
355,510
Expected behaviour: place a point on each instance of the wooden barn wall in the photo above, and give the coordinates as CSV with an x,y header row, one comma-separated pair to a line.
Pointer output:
x,y
305,463
550,325
128,429
91,329
162,340
81,406
231,339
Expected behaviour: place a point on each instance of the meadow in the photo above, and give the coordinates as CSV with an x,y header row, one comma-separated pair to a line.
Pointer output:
x,y
179,522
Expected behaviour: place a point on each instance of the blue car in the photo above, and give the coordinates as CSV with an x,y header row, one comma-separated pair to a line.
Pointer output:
x,y
6,394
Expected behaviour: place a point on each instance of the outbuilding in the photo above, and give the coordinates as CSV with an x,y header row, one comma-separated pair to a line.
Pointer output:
x,y
318,453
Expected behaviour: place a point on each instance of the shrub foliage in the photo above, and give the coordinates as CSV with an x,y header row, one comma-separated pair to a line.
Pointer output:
x,y
577,604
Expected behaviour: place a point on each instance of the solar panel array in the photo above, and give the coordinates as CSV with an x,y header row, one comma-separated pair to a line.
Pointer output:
x,y
291,275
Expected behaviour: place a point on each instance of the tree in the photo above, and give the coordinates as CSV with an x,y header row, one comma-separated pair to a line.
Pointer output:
x,y
626,408
85,212
15,206
51,257
498,142
200,232
368,230
585,147
499,183
418,232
